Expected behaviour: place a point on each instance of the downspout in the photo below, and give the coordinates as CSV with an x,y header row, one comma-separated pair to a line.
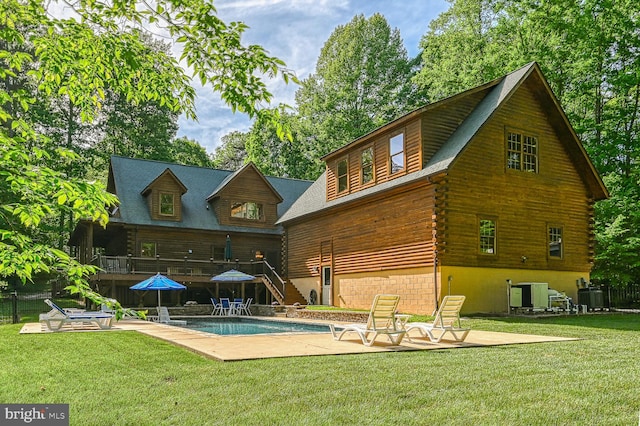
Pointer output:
x,y
435,279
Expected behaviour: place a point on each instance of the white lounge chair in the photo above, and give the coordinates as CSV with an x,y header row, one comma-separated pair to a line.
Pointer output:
x,y
164,318
382,320
447,320
58,317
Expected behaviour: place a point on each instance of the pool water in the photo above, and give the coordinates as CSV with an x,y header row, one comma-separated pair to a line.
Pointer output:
x,y
242,325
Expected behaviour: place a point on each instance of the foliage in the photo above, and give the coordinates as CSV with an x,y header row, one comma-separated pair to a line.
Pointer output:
x,y
80,60
362,80
275,156
230,154
618,257
188,152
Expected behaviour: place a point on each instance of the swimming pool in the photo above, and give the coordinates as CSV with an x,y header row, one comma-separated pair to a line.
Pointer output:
x,y
243,325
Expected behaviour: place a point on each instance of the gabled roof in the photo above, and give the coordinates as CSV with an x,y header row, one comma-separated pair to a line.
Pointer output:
x,y
498,92
130,177
167,172
244,169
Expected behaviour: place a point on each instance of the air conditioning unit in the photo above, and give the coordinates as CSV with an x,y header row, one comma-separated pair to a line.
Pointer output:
x,y
529,295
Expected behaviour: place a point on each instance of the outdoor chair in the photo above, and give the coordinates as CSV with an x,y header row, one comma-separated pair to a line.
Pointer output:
x,y
236,306
58,317
447,320
245,307
217,307
164,318
382,321
225,306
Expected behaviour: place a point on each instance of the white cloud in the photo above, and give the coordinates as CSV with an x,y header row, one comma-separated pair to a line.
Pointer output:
x,y
295,31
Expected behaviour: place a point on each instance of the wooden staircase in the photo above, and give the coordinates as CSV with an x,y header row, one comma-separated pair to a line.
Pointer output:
x,y
293,295
284,293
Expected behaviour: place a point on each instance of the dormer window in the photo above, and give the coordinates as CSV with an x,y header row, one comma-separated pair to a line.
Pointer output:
x,y
396,153
343,175
167,206
366,165
247,210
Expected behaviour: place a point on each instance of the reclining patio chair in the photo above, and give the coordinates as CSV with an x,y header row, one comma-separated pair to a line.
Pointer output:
x,y
382,320
58,317
447,320
164,318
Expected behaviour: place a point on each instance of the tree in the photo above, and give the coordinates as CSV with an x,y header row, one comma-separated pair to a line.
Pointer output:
x,y
230,155
362,80
275,156
79,59
457,50
189,152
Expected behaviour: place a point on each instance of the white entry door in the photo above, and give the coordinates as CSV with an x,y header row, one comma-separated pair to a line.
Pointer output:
x,y
326,285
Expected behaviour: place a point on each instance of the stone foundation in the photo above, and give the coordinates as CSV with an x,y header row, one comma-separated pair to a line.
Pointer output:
x,y
348,316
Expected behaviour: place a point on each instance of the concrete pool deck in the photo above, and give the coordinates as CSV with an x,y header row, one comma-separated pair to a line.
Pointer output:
x,y
259,346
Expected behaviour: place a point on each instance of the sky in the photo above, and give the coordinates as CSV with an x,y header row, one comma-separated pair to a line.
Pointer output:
x,y
295,31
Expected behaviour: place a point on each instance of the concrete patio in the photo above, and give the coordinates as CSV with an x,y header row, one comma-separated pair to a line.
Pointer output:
x,y
237,348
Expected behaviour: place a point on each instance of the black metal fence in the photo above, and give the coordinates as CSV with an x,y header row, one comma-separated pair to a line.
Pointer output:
x,y
25,304
623,297
16,306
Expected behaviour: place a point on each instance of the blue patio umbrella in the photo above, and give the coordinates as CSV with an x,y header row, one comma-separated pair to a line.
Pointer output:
x,y
158,282
233,276
227,249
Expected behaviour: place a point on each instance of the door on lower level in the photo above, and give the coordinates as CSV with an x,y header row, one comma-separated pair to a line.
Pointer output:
x,y
326,285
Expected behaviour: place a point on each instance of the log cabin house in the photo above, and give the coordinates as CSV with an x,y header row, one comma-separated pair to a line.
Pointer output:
x,y
176,220
457,197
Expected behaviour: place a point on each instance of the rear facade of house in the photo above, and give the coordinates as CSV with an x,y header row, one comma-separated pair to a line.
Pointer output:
x,y
459,197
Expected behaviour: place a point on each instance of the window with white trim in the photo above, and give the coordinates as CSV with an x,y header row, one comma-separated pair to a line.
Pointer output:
x,y
247,210
487,236
396,153
522,152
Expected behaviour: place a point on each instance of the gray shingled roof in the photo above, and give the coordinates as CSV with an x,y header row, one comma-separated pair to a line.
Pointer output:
x,y
315,198
131,176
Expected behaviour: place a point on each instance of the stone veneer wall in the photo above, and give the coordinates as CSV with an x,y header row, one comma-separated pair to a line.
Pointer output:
x,y
349,316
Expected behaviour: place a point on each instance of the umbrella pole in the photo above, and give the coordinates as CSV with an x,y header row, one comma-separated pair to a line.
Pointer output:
x,y
158,300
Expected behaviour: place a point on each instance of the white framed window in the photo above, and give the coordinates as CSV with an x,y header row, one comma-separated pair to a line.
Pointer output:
x,y
522,152
167,206
488,236
556,243
247,210
396,153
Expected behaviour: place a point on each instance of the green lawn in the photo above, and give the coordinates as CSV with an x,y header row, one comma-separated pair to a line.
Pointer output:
x,y
125,378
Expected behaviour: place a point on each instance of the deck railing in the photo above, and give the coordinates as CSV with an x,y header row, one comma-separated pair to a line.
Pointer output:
x,y
185,266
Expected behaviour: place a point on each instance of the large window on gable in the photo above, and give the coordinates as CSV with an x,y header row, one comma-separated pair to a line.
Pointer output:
x,y
522,151
366,165
396,153
167,207
343,175
488,234
247,210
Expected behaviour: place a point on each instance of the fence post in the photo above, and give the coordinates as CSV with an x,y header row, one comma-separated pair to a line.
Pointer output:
x,y
14,306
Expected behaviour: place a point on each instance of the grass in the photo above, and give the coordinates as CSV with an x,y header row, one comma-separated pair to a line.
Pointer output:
x,y
125,378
